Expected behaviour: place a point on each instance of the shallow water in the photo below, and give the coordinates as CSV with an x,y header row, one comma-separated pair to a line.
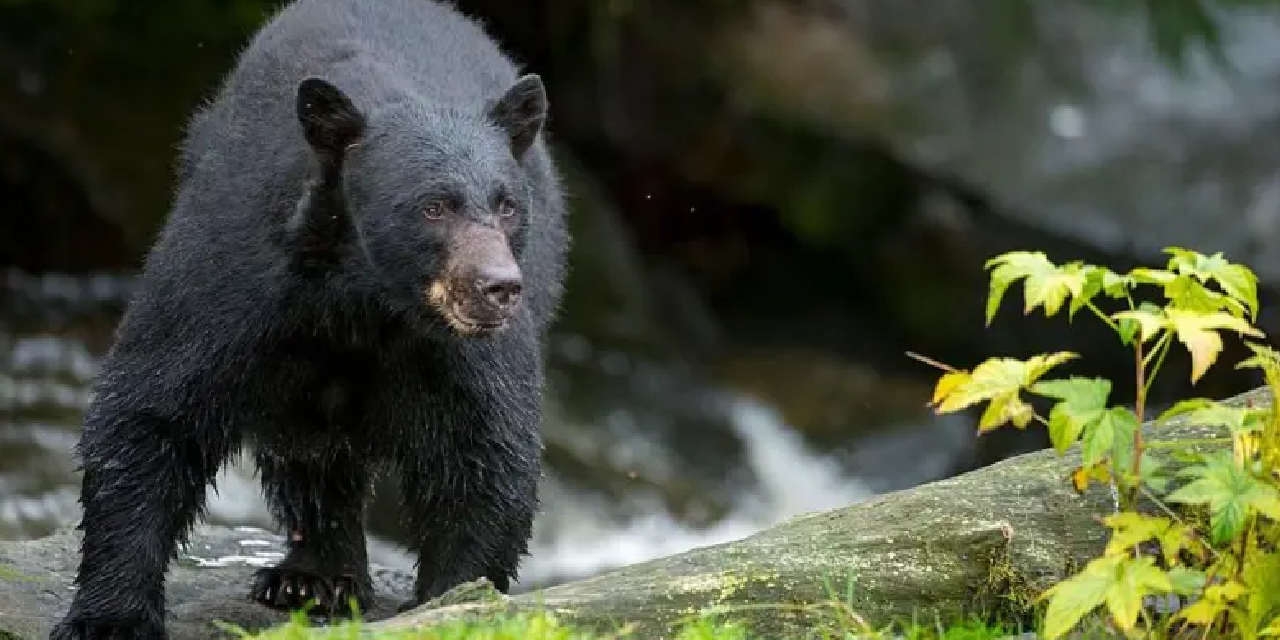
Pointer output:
x,y
52,329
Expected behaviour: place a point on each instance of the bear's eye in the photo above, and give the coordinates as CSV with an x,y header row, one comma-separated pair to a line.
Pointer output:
x,y
506,209
434,210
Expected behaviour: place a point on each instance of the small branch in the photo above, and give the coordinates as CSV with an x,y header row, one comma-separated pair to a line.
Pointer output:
x,y
1176,518
931,362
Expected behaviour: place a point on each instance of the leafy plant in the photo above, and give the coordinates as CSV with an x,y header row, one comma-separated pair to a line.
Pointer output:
x,y
1231,564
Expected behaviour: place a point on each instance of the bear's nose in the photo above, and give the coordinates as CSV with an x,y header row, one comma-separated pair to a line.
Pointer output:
x,y
500,285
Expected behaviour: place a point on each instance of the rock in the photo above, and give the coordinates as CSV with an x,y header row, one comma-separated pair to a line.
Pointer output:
x,y
1062,112
989,540
208,583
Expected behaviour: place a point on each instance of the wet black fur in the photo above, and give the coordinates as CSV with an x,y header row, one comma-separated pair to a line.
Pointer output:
x,y
282,308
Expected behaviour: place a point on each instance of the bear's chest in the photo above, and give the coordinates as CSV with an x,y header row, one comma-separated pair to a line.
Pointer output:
x,y
316,395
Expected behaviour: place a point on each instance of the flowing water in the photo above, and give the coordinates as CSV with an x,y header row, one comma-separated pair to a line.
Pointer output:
x,y
698,465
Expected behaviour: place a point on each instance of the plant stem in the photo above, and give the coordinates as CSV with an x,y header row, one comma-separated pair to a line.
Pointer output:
x,y
1105,318
1162,348
1139,410
1244,547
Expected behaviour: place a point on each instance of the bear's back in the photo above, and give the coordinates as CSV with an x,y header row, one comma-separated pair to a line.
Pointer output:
x,y
444,56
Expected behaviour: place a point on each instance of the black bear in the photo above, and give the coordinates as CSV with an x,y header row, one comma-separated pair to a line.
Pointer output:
x,y
365,249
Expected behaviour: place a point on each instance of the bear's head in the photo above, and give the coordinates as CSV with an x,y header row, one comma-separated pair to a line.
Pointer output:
x,y
438,198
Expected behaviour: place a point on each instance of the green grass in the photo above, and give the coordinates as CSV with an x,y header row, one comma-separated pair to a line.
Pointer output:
x,y
544,626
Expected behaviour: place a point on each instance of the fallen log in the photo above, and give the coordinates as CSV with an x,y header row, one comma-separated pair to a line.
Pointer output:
x,y
985,542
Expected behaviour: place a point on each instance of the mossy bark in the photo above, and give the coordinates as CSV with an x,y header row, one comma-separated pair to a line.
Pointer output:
x,y
985,542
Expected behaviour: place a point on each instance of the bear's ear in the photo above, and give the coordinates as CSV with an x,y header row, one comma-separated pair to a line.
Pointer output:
x,y
521,112
330,121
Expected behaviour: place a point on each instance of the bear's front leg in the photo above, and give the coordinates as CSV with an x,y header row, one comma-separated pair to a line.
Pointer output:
x,y
321,505
470,459
473,520
144,484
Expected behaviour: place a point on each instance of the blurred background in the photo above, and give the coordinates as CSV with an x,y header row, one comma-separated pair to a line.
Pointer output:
x,y
773,200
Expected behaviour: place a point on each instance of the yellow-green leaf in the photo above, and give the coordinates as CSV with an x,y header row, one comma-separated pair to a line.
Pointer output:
x,y
997,380
947,385
1198,332
1273,628
1268,360
1119,582
1081,476
1261,575
991,378
1137,578
1044,283
1236,280
1146,275
1129,529
1077,596
1213,602
1150,321
1003,409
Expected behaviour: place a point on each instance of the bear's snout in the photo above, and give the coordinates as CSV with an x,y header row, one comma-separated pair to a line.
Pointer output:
x,y
500,284
482,285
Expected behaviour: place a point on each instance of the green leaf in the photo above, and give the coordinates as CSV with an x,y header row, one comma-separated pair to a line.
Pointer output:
x,y
1099,280
1186,581
1198,333
1128,330
1117,423
1185,292
1237,419
1184,406
1154,473
1264,357
1231,493
1044,283
1082,403
1116,285
1236,280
